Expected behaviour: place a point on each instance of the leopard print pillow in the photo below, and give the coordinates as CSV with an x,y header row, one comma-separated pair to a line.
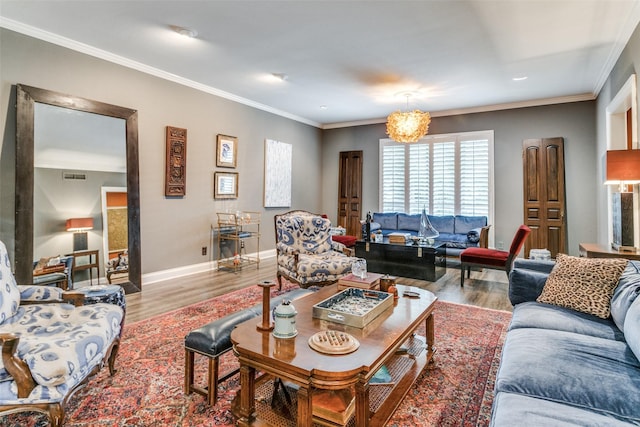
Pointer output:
x,y
583,284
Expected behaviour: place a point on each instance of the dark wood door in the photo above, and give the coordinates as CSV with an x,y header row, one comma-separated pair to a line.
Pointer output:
x,y
544,194
350,192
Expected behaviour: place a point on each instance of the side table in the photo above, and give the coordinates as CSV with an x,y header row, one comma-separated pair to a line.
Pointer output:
x,y
111,294
595,250
93,261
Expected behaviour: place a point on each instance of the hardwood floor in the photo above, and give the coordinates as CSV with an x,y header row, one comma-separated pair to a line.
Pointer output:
x,y
486,288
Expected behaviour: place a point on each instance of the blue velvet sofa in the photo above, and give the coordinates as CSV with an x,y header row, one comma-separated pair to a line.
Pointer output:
x,y
562,367
457,232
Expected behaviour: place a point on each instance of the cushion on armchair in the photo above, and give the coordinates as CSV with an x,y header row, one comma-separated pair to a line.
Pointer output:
x,y
304,233
9,293
34,293
63,342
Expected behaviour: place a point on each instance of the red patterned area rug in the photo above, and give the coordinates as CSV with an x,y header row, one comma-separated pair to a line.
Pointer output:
x,y
147,390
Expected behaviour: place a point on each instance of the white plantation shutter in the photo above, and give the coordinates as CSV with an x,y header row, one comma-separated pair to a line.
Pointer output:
x,y
418,178
474,177
393,178
444,178
445,174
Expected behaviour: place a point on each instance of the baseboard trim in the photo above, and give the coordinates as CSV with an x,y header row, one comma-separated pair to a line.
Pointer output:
x,y
174,273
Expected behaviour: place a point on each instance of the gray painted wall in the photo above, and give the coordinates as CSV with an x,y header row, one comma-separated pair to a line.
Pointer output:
x,y
173,231
574,122
55,200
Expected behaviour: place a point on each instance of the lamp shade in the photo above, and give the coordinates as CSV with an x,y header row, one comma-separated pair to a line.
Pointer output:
x,y
79,224
623,166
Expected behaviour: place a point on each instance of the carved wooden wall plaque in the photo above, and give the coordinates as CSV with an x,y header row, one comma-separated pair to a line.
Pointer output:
x,y
176,165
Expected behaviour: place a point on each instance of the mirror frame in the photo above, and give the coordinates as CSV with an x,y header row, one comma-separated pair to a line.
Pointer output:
x,y
27,96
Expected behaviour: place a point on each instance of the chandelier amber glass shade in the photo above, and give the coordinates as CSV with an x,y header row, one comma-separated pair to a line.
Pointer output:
x,y
409,126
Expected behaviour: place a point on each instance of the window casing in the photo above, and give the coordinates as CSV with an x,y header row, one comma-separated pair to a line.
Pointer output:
x,y
448,174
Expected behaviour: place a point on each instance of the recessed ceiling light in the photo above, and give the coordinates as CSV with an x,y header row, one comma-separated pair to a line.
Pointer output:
x,y
520,78
187,32
323,107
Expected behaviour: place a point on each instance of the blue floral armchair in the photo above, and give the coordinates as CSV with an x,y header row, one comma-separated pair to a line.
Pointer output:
x,y
49,347
305,252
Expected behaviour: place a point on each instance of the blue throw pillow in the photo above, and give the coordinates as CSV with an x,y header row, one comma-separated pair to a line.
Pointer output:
x,y
387,221
473,236
464,223
625,293
408,222
525,285
632,328
442,223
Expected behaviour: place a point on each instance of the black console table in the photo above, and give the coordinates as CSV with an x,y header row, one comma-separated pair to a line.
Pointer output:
x,y
421,262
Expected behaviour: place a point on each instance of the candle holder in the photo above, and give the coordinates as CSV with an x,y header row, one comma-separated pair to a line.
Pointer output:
x,y
266,324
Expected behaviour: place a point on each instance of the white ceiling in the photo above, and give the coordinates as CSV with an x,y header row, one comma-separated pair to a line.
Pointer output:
x,y
354,57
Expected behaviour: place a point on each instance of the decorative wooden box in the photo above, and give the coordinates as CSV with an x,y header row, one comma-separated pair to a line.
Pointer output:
x,y
353,306
372,281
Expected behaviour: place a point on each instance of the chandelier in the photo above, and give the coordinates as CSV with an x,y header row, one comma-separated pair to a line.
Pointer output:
x,y
409,126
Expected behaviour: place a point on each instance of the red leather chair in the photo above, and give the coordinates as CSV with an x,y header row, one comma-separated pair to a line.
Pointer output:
x,y
492,258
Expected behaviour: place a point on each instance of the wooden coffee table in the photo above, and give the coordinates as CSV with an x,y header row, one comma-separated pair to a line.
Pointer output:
x,y
388,340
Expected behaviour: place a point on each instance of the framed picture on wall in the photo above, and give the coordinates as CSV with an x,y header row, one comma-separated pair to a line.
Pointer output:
x,y
225,185
226,151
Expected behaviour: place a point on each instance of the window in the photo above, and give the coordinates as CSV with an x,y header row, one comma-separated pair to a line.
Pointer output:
x,y
445,174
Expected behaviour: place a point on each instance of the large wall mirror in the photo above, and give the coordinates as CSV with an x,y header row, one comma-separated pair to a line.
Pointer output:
x,y
68,149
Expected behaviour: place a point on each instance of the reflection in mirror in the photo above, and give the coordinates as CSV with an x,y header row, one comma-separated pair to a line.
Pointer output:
x,y
61,175
75,154
114,233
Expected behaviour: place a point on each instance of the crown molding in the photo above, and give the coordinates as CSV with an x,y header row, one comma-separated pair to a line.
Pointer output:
x,y
481,109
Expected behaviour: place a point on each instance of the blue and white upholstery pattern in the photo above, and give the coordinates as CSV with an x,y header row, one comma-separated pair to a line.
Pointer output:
x,y
60,343
9,293
305,250
35,293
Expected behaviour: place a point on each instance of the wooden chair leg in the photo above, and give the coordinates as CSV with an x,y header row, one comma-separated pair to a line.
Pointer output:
x,y
188,371
213,380
462,268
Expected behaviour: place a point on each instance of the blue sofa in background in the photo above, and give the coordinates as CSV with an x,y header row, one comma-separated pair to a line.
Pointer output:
x,y
456,232
562,367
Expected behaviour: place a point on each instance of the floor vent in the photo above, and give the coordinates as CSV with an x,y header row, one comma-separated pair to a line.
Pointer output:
x,y
74,176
